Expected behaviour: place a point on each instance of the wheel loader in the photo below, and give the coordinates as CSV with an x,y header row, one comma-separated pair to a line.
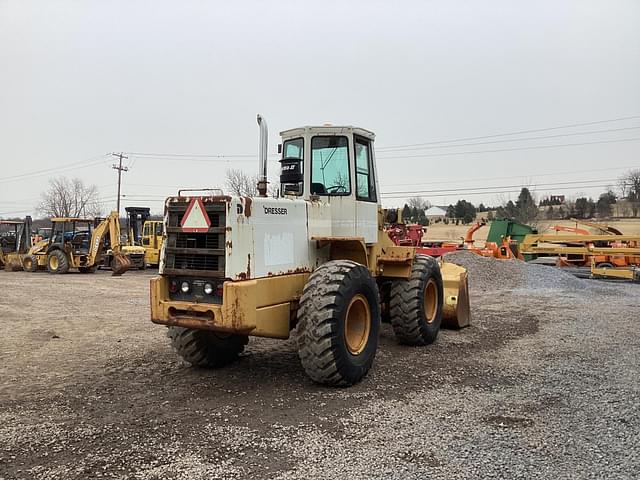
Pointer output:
x,y
77,243
310,263
15,242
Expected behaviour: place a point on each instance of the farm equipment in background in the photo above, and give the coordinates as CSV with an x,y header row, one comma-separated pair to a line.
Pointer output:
x,y
77,243
152,241
314,259
15,242
130,247
578,250
145,233
40,234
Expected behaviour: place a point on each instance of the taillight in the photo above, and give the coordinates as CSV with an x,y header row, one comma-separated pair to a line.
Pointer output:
x,y
173,286
219,290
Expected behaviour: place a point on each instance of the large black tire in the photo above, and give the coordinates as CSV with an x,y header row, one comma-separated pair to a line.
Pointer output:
x,y
30,263
57,262
338,323
416,303
203,348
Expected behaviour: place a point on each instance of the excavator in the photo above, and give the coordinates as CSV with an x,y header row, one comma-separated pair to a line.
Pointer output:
x,y
77,243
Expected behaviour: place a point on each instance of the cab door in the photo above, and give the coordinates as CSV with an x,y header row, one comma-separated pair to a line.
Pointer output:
x,y
366,191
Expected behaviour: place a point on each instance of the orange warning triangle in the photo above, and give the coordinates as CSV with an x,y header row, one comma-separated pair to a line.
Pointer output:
x,y
195,219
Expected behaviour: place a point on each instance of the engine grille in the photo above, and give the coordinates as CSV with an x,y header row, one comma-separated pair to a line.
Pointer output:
x,y
196,254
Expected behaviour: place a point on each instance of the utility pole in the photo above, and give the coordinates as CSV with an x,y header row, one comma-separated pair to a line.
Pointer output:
x,y
120,169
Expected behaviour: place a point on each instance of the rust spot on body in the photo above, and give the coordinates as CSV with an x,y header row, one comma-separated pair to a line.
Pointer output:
x,y
247,206
248,265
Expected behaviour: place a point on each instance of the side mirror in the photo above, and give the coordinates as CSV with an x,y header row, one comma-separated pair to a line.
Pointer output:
x,y
279,148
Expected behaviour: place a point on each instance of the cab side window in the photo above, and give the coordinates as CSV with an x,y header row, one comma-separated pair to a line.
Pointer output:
x,y
365,180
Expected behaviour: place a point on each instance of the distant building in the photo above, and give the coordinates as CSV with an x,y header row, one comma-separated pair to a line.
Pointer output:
x,y
435,213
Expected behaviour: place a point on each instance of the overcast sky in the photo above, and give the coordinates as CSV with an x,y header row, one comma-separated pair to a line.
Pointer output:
x,y
81,79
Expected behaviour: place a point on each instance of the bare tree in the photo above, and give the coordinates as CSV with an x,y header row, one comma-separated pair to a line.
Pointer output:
x,y
241,183
630,188
419,203
70,198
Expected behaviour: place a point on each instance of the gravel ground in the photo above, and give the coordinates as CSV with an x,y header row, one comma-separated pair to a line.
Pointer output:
x,y
544,384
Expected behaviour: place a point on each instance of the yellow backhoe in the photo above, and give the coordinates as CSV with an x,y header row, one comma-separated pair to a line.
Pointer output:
x,y
77,243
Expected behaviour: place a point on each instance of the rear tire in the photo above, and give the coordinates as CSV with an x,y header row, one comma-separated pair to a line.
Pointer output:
x,y
57,262
30,263
203,348
416,303
605,265
338,323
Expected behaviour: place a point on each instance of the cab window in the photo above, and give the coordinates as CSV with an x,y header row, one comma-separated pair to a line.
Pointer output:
x,y
292,167
365,181
159,229
293,149
330,166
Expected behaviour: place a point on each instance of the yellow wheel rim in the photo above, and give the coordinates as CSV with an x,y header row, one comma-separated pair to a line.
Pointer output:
x,y
53,262
430,301
357,324
28,264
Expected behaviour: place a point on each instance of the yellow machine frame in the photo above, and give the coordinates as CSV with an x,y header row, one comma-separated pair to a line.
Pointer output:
x,y
152,241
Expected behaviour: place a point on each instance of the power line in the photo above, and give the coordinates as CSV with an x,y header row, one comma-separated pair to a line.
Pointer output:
x,y
541,137
578,183
519,132
194,155
62,168
497,192
480,179
533,147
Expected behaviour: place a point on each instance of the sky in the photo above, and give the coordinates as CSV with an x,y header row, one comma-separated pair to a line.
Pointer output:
x,y
80,80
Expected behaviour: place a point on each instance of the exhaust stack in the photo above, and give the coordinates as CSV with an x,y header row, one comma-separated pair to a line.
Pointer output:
x,y
262,172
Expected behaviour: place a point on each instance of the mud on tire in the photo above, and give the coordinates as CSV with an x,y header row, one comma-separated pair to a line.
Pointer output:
x,y
338,323
416,304
203,348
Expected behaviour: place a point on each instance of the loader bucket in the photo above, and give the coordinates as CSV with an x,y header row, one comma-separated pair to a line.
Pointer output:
x,y
13,262
456,312
120,264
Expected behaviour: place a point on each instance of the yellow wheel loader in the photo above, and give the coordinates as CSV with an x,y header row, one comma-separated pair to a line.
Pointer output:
x,y
313,260
15,242
76,243
152,241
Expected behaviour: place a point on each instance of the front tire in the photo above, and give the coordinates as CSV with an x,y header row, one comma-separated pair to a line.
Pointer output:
x,y
30,263
57,262
338,323
203,348
416,303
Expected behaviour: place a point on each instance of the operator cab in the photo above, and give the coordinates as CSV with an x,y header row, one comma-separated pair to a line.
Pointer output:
x,y
334,166
75,232
341,159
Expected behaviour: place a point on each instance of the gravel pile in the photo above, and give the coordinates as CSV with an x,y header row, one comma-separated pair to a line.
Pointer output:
x,y
488,273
